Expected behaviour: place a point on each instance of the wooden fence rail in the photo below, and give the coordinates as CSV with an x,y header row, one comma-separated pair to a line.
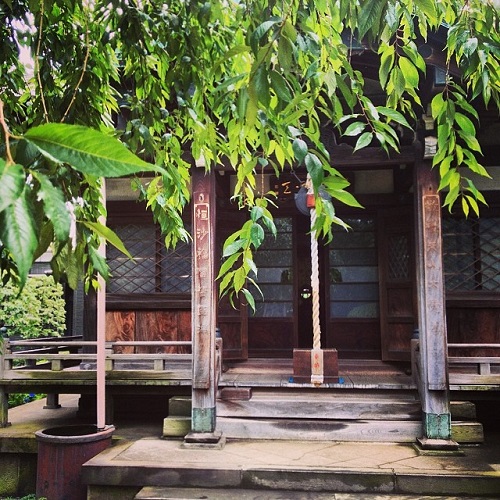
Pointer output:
x,y
63,365
483,363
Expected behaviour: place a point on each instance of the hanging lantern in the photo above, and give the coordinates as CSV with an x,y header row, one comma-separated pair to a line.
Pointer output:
x,y
305,200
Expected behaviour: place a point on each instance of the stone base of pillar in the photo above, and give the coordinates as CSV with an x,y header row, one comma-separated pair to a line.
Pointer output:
x,y
52,402
204,440
427,446
302,366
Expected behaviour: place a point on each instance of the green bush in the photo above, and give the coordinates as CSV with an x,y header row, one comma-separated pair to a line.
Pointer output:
x,y
19,399
37,312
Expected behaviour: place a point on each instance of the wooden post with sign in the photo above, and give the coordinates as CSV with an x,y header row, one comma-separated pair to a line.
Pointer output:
x,y
432,313
204,293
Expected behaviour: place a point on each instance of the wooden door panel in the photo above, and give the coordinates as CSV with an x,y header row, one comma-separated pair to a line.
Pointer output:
x,y
358,338
271,337
397,286
160,325
400,302
232,321
120,325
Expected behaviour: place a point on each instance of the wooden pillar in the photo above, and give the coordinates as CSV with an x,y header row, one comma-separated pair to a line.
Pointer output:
x,y
90,320
4,407
436,417
204,298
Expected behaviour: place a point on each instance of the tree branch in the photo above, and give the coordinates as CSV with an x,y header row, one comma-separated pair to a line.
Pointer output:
x,y
10,160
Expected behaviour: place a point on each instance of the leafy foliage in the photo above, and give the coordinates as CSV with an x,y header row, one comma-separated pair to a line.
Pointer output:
x,y
38,311
19,399
245,83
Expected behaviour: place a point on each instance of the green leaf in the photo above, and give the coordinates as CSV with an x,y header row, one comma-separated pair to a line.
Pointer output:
x,y
398,80
279,85
249,298
473,204
233,247
409,71
386,63
428,7
19,235
11,183
346,198
108,234
438,106
259,87
465,207
239,279
299,148
86,150
393,115
465,124
355,128
370,16
470,46
99,262
471,141
256,235
364,140
285,53
315,169
228,264
260,31
55,206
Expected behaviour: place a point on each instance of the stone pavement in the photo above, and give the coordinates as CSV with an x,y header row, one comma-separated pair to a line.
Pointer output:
x,y
332,470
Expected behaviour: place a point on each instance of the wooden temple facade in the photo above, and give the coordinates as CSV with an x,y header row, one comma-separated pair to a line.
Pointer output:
x,y
410,285
406,270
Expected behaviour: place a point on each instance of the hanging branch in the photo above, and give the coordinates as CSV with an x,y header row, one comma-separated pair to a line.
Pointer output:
x,y
84,69
37,62
10,160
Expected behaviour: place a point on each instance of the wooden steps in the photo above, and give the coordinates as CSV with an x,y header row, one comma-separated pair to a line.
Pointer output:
x,y
317,415
320,405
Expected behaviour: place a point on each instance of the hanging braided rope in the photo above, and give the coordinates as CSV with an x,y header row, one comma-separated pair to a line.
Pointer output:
x,y
316,353
315,284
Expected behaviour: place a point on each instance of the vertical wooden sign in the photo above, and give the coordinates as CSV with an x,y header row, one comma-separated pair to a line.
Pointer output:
x,y
203,289
436,416
435,320
203,302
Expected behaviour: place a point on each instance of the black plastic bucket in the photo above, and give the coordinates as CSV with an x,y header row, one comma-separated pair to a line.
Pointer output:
x,y
61,453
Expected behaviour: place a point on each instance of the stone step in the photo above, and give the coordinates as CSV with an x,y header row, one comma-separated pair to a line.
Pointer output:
x,y
166,493
353,409
402,431
322,406
273,470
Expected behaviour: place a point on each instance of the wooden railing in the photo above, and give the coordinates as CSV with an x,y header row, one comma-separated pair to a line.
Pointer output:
x,y
483,364
62,365
466,371
56,354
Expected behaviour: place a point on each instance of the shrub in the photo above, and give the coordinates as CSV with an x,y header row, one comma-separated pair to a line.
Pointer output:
x,y
23,398
37,312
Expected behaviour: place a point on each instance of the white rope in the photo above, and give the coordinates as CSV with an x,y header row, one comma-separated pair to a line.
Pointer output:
x,y
316,353
315,284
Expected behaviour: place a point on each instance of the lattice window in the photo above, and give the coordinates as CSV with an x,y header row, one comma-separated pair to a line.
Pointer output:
x,y
354,270
471,254
154,268
274,262
399,257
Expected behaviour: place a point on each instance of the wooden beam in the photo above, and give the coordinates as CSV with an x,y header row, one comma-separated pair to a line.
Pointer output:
x,y
431,306
344,156
203,308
